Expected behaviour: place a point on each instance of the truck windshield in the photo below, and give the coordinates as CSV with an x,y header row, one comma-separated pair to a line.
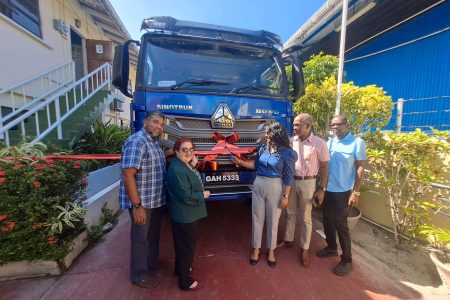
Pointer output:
x,y
206,65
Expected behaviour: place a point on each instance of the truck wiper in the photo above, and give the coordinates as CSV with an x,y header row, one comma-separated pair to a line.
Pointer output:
x,y
196,82
252,86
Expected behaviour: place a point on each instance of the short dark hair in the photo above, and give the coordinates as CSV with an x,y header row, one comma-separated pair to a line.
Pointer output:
x,y
181,141
341,117
152,114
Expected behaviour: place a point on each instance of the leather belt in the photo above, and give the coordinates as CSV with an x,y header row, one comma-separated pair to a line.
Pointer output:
x,y
304,177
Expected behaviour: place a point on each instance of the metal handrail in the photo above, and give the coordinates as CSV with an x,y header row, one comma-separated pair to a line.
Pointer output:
x,y
101,73
37,88
14,87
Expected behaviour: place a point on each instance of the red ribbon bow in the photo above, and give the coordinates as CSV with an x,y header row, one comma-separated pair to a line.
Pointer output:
x,y
224,146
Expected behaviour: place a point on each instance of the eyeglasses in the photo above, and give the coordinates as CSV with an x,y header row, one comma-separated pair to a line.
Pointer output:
x,y
337,124
188,150
298,125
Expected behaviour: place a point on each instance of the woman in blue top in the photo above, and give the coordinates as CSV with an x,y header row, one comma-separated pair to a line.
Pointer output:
x,y
275,169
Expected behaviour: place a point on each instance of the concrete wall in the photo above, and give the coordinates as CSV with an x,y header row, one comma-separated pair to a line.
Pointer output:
x,y
102,190
373,205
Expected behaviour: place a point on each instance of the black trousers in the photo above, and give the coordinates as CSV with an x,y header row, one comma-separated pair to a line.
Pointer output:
x,y
145,243
185,237
335,212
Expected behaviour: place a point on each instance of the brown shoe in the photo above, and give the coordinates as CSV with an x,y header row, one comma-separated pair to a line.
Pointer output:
x,y
285,244
147,283
304,258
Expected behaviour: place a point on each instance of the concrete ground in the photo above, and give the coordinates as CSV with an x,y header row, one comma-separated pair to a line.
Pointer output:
x,y
221,264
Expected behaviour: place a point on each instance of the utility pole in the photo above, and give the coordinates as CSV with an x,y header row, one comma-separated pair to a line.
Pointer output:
x,y
341,56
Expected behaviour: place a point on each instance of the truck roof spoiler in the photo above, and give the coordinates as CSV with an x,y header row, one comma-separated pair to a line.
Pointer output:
x,y
211,31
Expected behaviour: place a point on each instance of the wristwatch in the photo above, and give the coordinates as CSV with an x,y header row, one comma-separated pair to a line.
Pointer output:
x,y
137,205
357,194
285,196
323,189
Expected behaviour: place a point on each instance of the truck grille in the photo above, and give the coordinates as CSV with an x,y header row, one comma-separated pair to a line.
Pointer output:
x,y
205,124
199,130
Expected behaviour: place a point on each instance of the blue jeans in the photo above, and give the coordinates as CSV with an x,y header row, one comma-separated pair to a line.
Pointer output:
x,y
144,252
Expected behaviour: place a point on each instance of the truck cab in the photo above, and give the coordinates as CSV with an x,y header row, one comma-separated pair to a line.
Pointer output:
x,y
210,79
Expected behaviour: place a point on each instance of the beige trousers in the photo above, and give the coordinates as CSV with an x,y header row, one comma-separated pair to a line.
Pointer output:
x,y
266,197
300,200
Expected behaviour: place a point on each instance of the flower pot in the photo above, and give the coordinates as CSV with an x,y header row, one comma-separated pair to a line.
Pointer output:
x,y
443,269
354,214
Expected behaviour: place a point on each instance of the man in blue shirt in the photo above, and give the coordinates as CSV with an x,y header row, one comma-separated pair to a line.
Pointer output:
x,y
142,193
348,154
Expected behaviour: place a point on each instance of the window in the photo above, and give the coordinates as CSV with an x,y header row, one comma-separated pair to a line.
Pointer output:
x,y
23,12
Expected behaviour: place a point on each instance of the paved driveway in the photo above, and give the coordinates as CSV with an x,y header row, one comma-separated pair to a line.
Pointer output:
x,y
222,266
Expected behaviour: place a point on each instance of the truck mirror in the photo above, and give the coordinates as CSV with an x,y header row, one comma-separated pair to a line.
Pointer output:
x,y
121,66
291,56
298,80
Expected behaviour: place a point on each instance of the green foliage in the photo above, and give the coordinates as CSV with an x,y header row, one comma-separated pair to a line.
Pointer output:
x,y
107,220
438,238
70,215
22,152
320,67
288,70
104,139
315,70
30,193
404,166
365,107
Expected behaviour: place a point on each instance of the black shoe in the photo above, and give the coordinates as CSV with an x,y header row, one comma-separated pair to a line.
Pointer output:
x,y
271,263
254,262
326,252
147,283
343,268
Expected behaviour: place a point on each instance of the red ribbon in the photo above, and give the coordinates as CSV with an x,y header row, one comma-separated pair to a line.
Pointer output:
x,y
224,146
85,156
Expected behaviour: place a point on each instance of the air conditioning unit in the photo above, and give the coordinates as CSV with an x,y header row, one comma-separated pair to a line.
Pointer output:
x,y
116,105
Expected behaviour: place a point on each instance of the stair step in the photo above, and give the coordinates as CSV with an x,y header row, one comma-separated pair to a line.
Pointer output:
x,y
74,126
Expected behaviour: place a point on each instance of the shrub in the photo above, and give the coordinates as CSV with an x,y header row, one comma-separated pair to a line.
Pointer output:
x,y
320,67
439,239
365,107
103,139
404,165
30,193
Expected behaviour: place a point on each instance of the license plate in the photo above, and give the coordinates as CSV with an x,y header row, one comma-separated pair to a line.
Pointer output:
x,y
223,177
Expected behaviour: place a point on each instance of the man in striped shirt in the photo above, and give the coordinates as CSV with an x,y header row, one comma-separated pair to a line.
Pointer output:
x,y
313,157
142,193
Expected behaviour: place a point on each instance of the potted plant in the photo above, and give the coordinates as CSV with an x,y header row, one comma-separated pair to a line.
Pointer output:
x,y
439,241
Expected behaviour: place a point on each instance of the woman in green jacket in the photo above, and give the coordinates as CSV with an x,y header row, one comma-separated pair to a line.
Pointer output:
x,y
186,198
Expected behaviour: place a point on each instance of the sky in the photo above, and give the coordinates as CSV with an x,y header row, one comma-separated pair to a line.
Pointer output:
x,y
281,17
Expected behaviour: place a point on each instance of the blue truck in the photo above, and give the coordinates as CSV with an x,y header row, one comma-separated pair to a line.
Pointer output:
x,y
208,78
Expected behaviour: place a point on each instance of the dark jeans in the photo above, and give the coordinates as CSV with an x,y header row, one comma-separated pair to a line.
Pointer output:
x,y
145,244
335,211
185,237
